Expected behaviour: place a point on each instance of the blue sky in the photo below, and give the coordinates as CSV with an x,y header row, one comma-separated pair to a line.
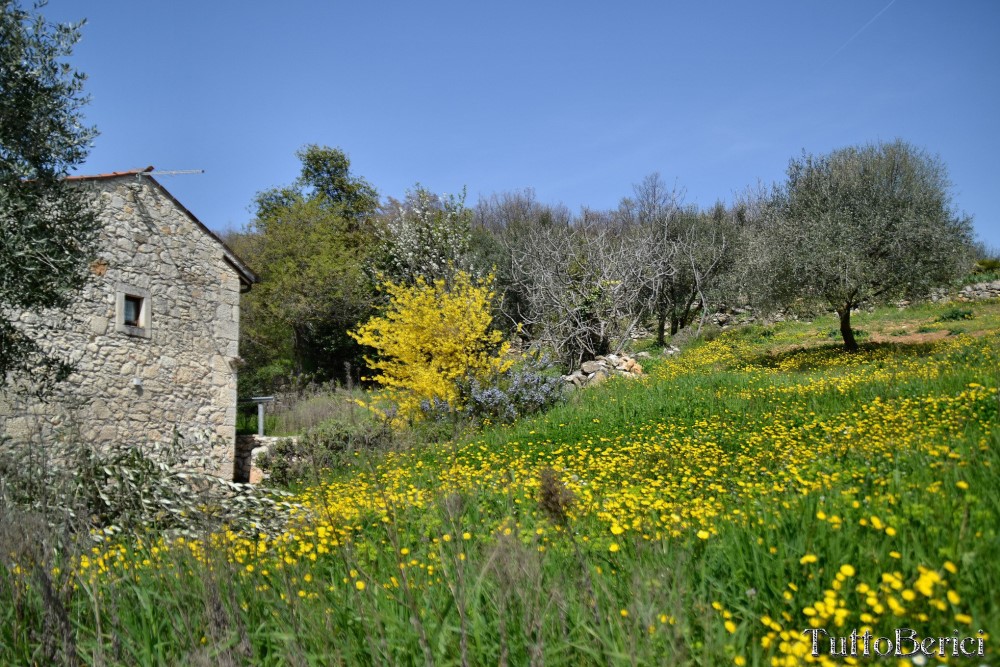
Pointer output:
x,y
578,100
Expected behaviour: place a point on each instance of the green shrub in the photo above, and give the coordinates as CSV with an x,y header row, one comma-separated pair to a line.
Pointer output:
x,y
710,332
757,333
294,460
130,487
246,420
991,265
985,270
955,314
690,333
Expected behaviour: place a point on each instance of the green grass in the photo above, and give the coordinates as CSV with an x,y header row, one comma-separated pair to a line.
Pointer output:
x,y
726,493
246,422
986,275
298,412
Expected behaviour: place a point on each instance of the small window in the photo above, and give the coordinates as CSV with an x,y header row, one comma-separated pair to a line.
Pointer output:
x,y
133,310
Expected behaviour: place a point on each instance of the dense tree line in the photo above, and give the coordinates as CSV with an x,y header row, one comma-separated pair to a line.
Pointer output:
x,y
854,227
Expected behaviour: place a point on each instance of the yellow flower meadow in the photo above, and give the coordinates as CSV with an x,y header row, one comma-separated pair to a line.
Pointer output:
x,y
829,489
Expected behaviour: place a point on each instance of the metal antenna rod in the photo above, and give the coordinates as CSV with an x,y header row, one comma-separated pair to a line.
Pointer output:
x,y
174,172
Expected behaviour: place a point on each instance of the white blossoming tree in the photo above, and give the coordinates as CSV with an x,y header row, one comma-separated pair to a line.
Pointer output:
x,y
424,236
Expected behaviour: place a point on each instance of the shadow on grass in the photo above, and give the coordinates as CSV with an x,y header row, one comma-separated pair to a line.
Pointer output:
x,y
815,357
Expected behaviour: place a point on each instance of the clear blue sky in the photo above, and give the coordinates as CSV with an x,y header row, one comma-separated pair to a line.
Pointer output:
x,y
578,100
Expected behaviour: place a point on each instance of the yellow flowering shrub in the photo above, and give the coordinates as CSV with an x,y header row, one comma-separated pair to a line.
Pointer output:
x,y
430,336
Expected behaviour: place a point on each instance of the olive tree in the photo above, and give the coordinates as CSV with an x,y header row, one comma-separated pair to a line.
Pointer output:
x,y
859,225
47,227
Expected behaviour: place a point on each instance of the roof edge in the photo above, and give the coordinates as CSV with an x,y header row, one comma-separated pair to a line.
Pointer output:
x,y
246,275
113,174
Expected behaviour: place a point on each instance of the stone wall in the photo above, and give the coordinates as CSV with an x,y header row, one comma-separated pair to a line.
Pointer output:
x,y
977,292
248,449
174,370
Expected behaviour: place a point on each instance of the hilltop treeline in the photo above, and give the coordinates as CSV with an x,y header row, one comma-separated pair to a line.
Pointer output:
x,y
856,226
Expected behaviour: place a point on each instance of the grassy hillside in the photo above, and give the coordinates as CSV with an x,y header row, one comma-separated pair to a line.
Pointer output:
x,y
754,486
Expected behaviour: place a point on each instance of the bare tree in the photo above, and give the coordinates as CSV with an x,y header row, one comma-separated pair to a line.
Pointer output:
x,y
506,212
584,284
687,252
503,222
706,248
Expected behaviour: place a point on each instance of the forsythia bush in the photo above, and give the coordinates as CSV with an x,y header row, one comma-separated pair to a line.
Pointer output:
x,y
429,337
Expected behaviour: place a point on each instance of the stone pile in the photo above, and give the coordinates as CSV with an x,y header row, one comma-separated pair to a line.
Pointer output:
x,y
597,370
727,317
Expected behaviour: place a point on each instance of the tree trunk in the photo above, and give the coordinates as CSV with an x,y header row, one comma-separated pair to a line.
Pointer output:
x,y
685,318
298,351
661,329
850,345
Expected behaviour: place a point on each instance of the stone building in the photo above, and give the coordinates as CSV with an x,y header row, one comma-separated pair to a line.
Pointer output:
x,y
154,335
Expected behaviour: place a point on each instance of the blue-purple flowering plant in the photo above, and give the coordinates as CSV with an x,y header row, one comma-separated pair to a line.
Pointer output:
x,y
513,394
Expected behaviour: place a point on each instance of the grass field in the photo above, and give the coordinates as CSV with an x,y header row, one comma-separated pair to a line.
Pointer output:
x,y
756,485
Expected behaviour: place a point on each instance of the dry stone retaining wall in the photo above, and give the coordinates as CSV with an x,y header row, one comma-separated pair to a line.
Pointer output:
x,y
977,292
248,449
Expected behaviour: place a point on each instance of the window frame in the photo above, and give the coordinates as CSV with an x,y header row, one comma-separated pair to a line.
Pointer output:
x,y
142,328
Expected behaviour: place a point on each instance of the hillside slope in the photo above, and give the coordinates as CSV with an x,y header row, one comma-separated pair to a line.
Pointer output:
x,y
757,485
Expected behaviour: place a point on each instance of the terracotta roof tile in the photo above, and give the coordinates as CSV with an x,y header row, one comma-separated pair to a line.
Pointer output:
x,y
113,174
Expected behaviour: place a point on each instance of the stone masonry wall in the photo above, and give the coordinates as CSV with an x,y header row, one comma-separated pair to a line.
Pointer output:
x,y
132,384
248,449
977,292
